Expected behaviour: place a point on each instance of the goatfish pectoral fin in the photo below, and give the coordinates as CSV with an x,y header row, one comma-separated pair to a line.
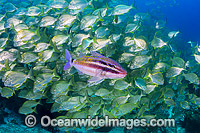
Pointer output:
x,y
95,81
68,58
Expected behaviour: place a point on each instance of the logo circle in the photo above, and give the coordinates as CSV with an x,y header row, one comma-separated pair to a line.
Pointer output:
x,y
30,121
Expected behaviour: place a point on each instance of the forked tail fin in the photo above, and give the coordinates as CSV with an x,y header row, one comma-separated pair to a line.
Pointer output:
x,y
68,58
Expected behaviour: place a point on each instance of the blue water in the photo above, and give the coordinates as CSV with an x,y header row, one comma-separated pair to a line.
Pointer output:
x,y
180,15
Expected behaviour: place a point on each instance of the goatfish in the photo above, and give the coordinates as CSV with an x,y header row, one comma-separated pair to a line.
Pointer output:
x,y
97,66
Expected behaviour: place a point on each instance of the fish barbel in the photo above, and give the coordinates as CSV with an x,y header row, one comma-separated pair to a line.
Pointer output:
x,y
97,66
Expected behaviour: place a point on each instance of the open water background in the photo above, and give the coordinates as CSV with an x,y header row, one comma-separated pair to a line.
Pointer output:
x,y
183,15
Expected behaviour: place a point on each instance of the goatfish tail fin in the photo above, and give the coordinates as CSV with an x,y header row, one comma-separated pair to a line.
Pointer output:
x,y
68,58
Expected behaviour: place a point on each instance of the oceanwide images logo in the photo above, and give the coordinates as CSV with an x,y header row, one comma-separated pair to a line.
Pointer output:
x,y
46,121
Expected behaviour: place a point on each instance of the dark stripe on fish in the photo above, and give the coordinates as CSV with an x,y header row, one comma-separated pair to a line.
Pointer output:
x,y
102,62
107,64
86,60
102,68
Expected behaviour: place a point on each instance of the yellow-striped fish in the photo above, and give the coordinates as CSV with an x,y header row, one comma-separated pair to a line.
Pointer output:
x,y
97,66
